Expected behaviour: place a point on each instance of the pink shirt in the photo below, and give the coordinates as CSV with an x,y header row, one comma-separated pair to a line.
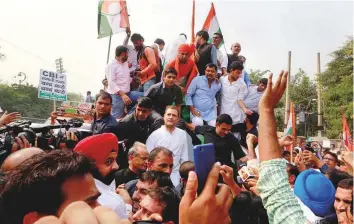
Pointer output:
x,y
118,77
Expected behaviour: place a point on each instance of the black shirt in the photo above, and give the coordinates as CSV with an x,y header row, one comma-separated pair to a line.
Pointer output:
x,y
242,129
223,145
106,124
162,97
124,176
131,130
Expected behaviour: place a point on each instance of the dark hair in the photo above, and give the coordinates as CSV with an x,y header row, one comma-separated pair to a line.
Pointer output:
x,y
224,119
167,197
172,107
88,92
162,179
264,81
159,41
121,49
253,118
153,154
241,57
220,35
211,65
335,176
183,34
292,170
171,70
333,155
136,37
104,95
145,102
346,184
286,153
185,168
35,184
204,34
236,65
248,208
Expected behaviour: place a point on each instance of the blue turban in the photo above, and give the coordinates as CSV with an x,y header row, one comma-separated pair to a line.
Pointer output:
x,y
315,191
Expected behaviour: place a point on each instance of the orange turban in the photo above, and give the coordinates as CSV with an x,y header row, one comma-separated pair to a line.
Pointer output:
x,y
186,48
98,147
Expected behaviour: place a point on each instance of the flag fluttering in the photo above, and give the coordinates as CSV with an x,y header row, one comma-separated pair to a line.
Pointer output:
x,y
112,17
348,141
211,24
291,126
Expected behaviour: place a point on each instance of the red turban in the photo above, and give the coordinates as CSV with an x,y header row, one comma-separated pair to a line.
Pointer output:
x,y
98,147
186,48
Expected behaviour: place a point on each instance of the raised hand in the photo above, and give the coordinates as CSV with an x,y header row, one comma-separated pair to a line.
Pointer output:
x,y
273,94
7,118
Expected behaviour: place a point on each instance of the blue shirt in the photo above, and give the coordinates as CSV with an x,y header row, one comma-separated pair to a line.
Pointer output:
x,y
202,97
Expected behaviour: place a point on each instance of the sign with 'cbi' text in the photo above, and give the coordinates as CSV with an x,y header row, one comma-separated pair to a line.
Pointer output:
x,y
52,86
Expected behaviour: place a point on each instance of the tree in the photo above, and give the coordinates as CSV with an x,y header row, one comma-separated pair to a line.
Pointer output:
x,y
75,97
2,55
337,89
256,75
301,92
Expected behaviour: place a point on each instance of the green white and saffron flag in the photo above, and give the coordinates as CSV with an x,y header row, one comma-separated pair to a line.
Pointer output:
x,y
112,17
290,128
211,24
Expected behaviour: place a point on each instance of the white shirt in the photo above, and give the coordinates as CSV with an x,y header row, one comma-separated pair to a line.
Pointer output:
x,y
176,142
223,60
110,199
230,94
132,57
118,77
252,98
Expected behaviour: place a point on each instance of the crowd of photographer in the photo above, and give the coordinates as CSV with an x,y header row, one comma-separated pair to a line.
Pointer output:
x,y
138,168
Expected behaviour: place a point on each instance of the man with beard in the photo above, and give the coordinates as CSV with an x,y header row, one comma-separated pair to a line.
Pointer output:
x,y
136,127
172,138
103,149
137,159
118,77
200,97
146,62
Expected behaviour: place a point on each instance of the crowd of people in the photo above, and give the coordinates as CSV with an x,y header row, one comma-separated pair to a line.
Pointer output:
x,y
136,166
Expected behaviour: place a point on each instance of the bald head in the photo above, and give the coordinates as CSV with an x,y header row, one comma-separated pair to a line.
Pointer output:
x,y
18,157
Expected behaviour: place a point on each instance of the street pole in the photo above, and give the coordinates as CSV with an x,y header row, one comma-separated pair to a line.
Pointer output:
x,y
319,111
287,99
60,69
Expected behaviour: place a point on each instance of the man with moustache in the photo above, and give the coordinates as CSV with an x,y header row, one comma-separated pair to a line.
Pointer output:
x,y
118,77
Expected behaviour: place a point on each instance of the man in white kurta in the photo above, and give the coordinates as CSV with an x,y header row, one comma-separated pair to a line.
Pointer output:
x,y
172,138
233,92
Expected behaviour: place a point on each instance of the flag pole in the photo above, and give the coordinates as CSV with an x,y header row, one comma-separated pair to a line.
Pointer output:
x,y
287,98
109,47
193,23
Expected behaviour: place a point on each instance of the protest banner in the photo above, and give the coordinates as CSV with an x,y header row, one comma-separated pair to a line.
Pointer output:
x,y
52,86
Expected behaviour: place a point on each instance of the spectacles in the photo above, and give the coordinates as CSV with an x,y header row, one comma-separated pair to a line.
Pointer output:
x,y
330,159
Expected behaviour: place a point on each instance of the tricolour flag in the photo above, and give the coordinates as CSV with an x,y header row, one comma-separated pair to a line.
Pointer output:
x,y
211,24
348,141
112,17
291,126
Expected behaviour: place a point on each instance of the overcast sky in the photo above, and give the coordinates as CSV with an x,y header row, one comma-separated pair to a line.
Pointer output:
x,y
33,33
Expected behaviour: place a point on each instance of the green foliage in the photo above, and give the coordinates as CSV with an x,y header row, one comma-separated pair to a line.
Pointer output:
x,y
255,75
24,99
337,89
75,97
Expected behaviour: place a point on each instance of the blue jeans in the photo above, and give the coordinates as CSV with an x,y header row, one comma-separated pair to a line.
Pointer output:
x,y
147,85
118,103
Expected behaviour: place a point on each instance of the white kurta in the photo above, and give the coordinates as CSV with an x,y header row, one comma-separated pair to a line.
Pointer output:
x,y
176,142
110,199
230,94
